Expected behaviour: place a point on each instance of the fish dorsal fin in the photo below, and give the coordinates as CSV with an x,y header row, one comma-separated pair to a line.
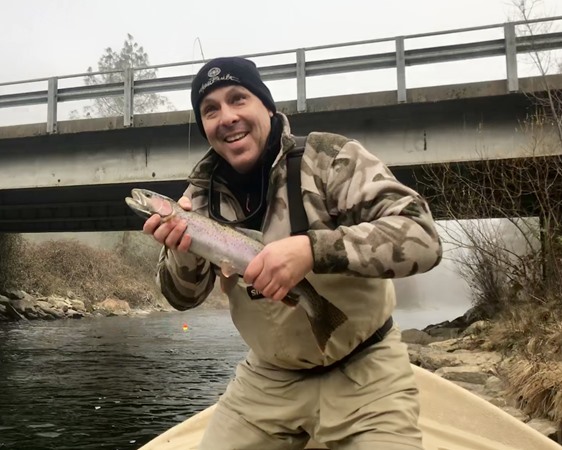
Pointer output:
x,y
252,234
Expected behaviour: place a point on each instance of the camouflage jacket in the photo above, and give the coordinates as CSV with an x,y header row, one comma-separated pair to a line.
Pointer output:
x,y
365,228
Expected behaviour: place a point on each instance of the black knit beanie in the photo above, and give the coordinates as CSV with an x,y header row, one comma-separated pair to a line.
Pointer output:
x,y
223,71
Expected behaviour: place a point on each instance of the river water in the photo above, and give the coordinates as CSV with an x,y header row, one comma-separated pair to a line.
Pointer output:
x,y
117,382
110,383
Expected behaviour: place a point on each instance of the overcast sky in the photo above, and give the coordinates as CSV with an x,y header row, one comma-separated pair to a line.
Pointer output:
x,y
49,37
42,38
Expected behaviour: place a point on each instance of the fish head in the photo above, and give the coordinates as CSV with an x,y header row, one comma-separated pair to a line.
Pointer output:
x,y
146,203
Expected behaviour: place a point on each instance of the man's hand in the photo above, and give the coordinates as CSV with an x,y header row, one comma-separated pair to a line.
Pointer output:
x,y
280,266
171,233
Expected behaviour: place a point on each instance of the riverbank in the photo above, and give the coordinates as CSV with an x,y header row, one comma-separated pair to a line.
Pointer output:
x,y
19,305
464,360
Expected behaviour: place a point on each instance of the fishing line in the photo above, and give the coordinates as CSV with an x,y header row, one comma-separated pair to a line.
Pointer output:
x,y
190,118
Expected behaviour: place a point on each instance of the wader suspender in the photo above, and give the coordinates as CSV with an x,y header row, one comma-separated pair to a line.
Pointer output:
x,y
297,215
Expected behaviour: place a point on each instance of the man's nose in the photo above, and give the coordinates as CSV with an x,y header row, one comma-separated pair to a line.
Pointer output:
x,y
228,115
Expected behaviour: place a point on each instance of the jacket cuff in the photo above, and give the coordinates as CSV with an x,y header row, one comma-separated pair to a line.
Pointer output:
x,y
328,251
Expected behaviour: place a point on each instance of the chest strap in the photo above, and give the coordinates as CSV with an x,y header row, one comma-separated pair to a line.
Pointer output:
x,y
297,214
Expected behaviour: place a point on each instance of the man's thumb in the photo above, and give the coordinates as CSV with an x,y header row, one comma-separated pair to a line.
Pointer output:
x,y
185,203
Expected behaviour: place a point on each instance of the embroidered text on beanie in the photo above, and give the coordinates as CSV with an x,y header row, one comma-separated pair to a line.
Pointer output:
x,y
230,70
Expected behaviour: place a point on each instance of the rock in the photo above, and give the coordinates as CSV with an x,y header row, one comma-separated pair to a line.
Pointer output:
x,y
477,328
48,310
78,305
494,386
72,314
24,305
13,314
467,374
413,336
14,294
449,345
477,389
515,412
114,306
500,402
57,302
545,427
437,355
432,360
445,332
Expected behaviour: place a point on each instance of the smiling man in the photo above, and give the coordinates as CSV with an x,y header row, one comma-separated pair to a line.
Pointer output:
x,y
364,227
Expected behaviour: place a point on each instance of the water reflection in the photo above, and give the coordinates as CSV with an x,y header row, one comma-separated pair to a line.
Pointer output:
x,y
110,383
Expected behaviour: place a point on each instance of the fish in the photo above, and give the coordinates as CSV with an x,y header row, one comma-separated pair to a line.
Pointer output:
x,y
231,249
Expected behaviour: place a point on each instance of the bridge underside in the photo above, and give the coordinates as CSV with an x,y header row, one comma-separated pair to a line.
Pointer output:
x,y
77,180
102,207
75,208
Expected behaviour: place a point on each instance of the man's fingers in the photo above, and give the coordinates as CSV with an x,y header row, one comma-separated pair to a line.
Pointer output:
x,y
185,243
151,224
280,294
253,270
185,203
175,234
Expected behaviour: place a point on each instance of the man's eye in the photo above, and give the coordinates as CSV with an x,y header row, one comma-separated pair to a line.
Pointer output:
x,y
238,98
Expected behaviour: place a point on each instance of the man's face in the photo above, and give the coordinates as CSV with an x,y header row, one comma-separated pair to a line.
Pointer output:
x,y
237,125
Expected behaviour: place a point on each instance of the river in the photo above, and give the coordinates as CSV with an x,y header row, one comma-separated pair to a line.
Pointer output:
x,y
116,382
110,383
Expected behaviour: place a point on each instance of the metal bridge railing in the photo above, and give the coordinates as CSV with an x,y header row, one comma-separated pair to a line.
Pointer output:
x,y
509,46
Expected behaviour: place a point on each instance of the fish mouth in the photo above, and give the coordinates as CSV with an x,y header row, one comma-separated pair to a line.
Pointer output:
x,y
139,202
141,197
145,203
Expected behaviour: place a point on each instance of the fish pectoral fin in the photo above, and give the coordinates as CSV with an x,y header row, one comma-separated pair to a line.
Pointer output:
x,y
228,283
227,268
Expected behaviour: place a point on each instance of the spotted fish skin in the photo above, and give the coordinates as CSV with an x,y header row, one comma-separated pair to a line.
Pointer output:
x,y
232,250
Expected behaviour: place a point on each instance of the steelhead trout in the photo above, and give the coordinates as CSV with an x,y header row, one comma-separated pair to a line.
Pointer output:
x,y
232,249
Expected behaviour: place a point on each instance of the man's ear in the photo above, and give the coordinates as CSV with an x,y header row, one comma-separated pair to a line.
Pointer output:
x,y
270,113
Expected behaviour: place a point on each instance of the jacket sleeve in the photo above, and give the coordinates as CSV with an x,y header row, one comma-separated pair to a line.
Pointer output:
x,y
184,279
382,228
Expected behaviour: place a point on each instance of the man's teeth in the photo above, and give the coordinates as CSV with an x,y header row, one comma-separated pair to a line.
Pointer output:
x,y
235,137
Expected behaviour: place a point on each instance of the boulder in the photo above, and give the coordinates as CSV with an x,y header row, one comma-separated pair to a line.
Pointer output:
x,y
114,306
48,310
413,336
466,374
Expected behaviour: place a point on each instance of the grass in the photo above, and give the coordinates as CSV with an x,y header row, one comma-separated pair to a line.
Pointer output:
x,y
67,266
529,335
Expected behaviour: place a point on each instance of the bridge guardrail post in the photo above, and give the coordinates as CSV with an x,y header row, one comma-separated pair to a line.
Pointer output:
x,y
129,85
511,57
301,80
400,70
52,105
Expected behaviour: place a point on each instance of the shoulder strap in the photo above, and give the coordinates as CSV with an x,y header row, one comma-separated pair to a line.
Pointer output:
x,y
297,214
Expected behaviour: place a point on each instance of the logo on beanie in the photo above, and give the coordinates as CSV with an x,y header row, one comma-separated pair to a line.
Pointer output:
x,y
215,78
214,72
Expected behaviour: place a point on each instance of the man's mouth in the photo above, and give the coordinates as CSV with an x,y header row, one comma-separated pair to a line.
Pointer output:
x,y
235,137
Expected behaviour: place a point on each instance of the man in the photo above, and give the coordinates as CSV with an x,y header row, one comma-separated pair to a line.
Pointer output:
x,y
364,228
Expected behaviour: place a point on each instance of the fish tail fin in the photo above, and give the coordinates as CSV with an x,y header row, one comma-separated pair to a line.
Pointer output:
x,y
325,322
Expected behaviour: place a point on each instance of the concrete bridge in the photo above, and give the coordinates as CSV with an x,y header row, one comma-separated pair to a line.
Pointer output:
x,y
74,175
